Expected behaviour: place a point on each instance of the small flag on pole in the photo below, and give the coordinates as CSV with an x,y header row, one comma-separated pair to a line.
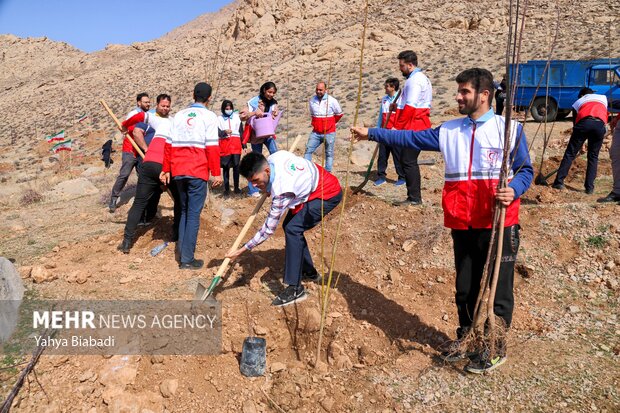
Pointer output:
x,y
62,146
82,117
60,136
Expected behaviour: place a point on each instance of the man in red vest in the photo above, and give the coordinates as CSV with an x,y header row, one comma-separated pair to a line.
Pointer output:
x,y
412,113
589,117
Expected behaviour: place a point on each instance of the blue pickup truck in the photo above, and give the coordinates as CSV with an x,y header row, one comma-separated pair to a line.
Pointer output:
x,y
555,97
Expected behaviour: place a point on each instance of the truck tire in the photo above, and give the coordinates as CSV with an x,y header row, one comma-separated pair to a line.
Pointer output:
x,y
540,111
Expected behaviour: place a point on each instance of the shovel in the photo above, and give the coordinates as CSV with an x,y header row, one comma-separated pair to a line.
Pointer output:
x,y
202,292
375,152
542,179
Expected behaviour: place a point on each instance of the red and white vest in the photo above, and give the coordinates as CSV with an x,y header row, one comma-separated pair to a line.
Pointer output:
x,y
591,105
230,145
325,114
473,159
413,107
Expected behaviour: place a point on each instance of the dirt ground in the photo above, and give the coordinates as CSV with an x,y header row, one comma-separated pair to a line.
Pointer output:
x,y
391,310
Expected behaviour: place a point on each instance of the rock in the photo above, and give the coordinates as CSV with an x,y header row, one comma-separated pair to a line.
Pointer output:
x,y
343,362
610,266
334,350
93,170
612,284
574,309
168,387
409,244
72,189
11,294
394,276
311,320
248,407
320,367
40,274
227,215
440,279
277,366
526,270
87,375
119,371
327,404
127,279
25,271
260,331
392,227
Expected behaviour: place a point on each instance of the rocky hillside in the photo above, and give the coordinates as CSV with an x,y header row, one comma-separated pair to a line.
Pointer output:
x,y
45,85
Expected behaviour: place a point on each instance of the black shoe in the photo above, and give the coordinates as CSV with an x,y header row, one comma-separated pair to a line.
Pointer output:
x,y
124,246
145,223
312,276
559,187
611,197
291,294
483,363
194,265
237,191
590,191
453,351
226,192
408,202
112,205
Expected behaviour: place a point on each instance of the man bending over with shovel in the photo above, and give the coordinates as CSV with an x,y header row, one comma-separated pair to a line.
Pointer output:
x,y
298,187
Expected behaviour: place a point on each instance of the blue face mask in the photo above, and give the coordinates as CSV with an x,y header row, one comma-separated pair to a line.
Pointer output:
x,y
228,112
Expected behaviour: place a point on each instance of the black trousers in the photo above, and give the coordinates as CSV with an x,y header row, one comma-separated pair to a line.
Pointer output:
x,y
148,193
592,130
409,164
470,252
227,162
499,106
382,161
128,163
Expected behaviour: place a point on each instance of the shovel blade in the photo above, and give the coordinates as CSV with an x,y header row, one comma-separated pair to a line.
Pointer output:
x,y
203,293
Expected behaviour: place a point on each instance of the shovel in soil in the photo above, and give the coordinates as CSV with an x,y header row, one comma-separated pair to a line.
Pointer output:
x,y
542,179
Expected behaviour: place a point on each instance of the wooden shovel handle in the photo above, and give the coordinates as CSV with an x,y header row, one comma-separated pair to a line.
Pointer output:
x,y
250,221
120,128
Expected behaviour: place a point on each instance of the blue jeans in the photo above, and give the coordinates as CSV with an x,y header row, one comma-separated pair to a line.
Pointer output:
x,y
297,254
270,143
192,194
317,139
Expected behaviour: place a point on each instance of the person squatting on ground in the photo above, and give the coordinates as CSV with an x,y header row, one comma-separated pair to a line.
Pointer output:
x,y
230,130
472,151
386,120
130,158
190,157
614,154
148,190
413,110
298,186
325,112
258,106
589,119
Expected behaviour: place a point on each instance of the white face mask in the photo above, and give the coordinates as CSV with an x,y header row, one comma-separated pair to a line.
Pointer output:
x,y
228,112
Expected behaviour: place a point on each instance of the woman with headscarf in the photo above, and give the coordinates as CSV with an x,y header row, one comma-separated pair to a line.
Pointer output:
x,y
230,129
265,102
